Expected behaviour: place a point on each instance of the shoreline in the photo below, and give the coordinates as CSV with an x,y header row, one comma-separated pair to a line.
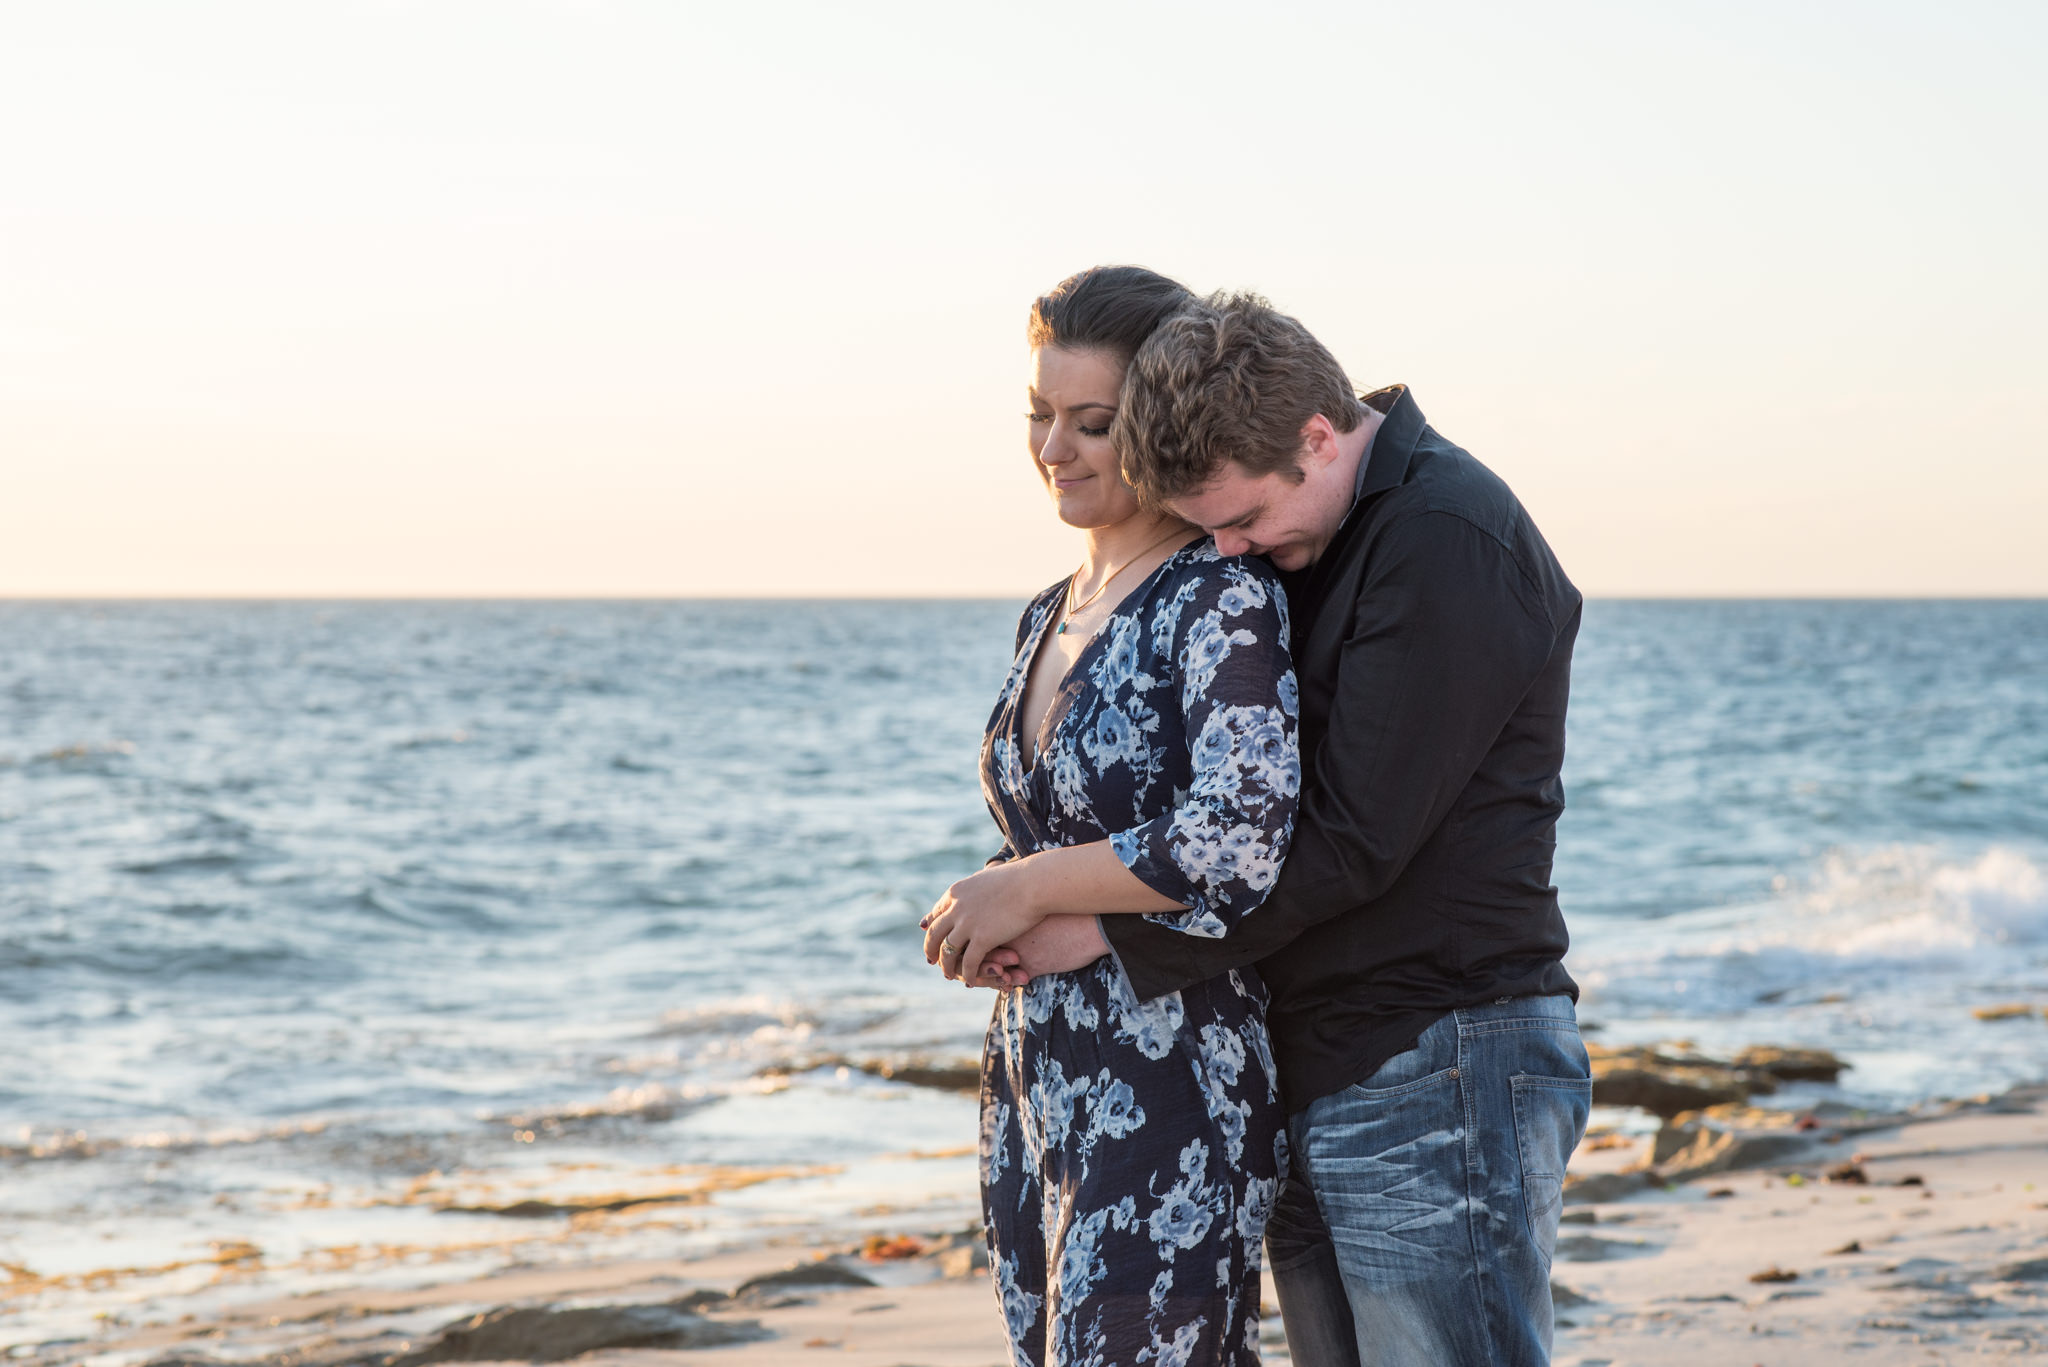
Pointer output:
x,y
1902,1239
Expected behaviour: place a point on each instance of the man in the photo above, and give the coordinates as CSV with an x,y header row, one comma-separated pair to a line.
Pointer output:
x,y
1421,1017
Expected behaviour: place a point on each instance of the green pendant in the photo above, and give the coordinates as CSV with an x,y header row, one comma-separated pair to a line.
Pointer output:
x,y
1062,631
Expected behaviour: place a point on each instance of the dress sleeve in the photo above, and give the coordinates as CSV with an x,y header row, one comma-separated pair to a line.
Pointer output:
x,y
1219,850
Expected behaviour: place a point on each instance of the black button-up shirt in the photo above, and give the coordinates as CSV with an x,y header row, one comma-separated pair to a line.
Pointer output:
x,y
1433,642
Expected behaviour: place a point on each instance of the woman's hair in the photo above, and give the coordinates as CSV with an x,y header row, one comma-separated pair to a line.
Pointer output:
x,y
1106,308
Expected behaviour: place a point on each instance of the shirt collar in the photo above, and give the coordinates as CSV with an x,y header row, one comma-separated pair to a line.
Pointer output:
x,y
1365,462
1385,463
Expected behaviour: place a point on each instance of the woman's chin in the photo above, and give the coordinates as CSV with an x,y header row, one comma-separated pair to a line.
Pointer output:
x,y
1083,514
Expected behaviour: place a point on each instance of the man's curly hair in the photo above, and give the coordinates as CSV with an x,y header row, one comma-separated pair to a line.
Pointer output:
x,y
1230,378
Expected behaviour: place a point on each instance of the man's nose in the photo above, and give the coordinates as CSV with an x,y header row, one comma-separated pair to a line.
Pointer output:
x,y
1231,543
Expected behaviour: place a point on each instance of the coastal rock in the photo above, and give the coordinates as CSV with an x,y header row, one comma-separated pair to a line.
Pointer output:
x,y
1664,1084
1603,1186
2027,1270
964,1261
816,1275
533,1209
942,1076
945,1075
962,1253
1588,1248
1562,1297
1791,1065
546,1334
1697,1148
1670,1080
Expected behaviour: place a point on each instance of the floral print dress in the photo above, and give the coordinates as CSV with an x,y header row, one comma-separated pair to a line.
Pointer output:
x,y
1131,1151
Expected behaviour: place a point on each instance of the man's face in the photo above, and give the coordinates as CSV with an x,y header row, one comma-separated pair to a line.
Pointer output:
x,y
1288,521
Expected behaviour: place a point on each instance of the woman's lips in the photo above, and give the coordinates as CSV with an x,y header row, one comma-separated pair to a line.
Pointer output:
x,y
1070,483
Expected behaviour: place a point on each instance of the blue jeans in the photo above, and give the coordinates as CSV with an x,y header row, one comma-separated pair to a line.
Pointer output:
x,y
1418,1221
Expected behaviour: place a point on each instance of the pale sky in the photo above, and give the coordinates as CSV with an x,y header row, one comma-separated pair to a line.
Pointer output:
x,y
639,298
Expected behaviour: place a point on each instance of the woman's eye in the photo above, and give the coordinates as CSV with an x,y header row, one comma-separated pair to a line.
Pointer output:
x,y
1091,431
1038,417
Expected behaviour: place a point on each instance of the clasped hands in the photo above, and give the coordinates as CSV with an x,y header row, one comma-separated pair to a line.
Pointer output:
x,y
993,929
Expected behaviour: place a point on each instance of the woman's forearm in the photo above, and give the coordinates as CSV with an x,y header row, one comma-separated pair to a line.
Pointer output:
x,y
987,910
1087,880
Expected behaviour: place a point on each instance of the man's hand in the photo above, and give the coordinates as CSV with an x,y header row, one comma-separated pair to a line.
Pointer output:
x,y
978,913
1058,944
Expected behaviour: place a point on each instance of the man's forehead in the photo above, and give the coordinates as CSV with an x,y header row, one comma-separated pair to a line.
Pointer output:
x,y
1231,496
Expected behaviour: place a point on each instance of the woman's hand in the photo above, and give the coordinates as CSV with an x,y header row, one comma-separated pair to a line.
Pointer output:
x,y
977,914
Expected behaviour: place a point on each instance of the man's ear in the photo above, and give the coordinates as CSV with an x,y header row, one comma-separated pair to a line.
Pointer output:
x,y
1318,441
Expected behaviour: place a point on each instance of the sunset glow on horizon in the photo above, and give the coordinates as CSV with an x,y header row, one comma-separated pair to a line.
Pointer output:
x,y
638,299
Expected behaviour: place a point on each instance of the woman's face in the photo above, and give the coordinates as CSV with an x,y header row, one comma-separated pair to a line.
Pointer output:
x,y
1073,398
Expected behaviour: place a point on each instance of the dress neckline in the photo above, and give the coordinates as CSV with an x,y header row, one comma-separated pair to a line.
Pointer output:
x,y
1063,686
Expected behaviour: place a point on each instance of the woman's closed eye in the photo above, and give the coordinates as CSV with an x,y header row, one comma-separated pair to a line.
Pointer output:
x,y
1044,419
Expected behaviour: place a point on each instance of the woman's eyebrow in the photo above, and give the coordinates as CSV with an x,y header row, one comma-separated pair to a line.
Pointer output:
x,y
1110,406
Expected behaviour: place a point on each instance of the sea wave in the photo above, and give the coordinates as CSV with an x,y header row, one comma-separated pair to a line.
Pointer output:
x,y
1909,905
42,1145
1860,919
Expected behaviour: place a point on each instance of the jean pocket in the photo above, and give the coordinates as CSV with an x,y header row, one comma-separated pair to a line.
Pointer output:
x,y
1550,1118
1364,1093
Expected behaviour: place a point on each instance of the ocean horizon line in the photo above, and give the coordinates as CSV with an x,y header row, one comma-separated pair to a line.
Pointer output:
x,y
107,599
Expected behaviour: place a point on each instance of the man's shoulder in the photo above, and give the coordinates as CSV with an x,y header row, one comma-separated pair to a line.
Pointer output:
x,y
1449,496
1446,479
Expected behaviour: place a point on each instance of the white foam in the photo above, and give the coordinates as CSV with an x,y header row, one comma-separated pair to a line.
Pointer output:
x,y
1909,921
1880,953
1906,905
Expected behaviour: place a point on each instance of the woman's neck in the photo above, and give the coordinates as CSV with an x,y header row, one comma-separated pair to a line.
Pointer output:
x,y
1108,548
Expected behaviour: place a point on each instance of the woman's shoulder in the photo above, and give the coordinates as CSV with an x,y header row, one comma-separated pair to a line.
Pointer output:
x,y
1197,580
1198,569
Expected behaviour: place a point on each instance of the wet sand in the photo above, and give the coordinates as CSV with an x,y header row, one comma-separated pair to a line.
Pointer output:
x,y
1916,1242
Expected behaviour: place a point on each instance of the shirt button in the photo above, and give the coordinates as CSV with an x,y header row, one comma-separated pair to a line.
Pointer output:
x,y
1453,1072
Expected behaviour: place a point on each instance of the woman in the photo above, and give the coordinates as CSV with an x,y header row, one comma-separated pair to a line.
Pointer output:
x,y
1141,759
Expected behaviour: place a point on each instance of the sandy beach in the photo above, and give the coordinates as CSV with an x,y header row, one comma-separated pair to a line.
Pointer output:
x,y
1760,1237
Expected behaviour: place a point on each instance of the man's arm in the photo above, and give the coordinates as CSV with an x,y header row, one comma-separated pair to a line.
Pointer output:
x,y
1445,639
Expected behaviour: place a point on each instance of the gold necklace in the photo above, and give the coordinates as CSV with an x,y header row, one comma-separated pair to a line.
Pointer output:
x,y
1073,607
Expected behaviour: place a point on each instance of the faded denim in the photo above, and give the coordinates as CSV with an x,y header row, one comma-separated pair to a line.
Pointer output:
x,y
1417,1225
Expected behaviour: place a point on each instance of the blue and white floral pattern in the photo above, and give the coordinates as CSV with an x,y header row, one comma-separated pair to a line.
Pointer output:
x,y
1131,1151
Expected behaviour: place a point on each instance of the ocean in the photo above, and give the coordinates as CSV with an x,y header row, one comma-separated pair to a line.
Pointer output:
x,y
374,943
